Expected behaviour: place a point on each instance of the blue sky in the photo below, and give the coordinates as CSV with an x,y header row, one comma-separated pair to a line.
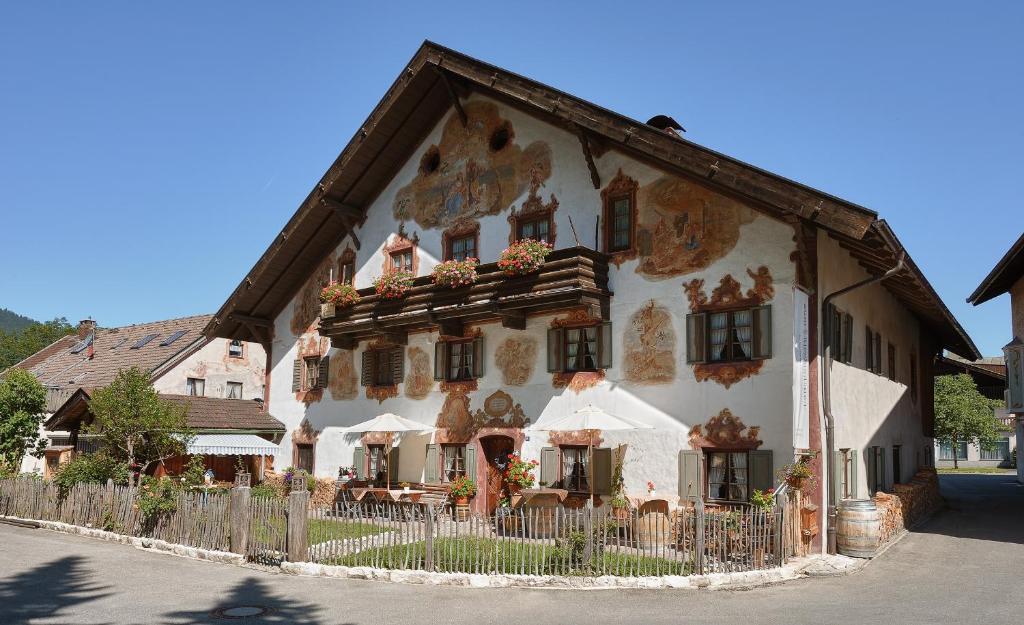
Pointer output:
x,y
149,154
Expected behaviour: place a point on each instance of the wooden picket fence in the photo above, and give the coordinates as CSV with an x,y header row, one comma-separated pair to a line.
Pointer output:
x,y
268,530
200,520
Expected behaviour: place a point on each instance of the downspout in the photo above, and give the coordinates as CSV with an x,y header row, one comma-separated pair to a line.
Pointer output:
x,y
826,388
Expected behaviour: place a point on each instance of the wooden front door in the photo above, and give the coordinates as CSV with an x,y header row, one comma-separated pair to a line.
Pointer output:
x,y
496,450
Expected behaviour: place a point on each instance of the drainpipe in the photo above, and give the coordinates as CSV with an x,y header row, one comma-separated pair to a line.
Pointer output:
x,y
826,388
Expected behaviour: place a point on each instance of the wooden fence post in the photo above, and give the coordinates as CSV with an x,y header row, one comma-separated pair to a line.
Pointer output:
x,y
238,532
428,530
298,520
698,509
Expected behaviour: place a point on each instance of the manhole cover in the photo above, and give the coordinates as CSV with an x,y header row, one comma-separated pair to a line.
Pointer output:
x,y
241,612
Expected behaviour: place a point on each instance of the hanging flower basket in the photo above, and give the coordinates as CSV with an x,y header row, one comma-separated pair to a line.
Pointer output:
x,y
337,295
393,284
456,273
797,473
523,257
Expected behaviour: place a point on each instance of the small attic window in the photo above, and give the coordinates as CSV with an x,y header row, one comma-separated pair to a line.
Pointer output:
x,y
431,160
500,137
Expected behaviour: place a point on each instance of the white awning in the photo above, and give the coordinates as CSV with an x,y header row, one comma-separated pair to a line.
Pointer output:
x,y
232,445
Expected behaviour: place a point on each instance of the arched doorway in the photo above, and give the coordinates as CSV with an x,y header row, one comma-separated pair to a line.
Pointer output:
x,y
496,449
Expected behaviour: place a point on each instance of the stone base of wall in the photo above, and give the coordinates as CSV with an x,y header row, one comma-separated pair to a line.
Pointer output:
x,y
908,504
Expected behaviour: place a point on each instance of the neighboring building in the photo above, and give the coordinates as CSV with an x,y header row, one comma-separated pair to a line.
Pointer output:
x,y
1008,277
684,291
989,374
225,376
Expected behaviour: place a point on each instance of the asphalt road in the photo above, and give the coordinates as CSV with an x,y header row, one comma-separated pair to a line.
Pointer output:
x,y
965,566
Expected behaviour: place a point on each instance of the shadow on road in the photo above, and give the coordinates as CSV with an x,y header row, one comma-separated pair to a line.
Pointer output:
x,y
254,601
51,590
980,507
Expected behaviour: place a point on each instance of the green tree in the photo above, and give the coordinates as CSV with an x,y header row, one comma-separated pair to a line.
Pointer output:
x,y
22,408
135,424
16,346
963,415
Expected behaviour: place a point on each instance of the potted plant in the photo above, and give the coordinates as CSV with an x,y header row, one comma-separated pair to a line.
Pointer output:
x,y
336,295
651,492
461,489
620,507
763,501
797,473
405,486
523,257
393,284
456,273
519,473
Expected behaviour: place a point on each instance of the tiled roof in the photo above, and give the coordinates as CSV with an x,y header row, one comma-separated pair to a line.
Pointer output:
x,y
62,371
217,413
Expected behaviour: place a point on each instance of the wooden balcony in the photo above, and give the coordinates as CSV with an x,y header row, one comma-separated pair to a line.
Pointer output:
x,y
570,277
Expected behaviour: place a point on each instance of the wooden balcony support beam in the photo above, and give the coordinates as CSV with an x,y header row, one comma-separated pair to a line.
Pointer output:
x,y
452,95
348,213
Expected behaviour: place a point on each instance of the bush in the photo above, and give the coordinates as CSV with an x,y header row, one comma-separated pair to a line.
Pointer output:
x,y
158,496
91,469
265,491
195,472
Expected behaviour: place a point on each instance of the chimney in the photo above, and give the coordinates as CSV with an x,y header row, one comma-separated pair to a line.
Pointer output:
x,y
85,328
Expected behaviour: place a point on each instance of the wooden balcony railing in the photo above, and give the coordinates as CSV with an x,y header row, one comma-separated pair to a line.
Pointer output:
x,y
570,277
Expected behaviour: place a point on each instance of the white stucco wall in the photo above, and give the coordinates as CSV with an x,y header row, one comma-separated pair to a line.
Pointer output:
x,y
213,364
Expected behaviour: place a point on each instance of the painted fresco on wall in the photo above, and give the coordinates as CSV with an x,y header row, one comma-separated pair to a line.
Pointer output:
x,y
343,380
459,425
474,170
729,294
516,357
684,227
306,308
455,416
725,431
420,378
649,344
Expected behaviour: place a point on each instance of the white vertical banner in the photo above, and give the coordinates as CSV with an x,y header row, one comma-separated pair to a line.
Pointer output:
x,y
801,370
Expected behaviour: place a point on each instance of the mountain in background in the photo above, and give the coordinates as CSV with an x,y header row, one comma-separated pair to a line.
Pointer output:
x,y
11,321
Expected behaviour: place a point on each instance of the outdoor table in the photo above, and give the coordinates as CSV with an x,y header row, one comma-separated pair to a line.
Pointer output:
x,y
388,494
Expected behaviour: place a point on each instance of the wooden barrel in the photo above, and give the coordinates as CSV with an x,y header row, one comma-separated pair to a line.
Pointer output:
x,y
653,530
857,528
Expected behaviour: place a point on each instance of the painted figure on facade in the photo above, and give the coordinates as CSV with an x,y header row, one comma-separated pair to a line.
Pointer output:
x,y
343,381
419,380
307,303
649,344
515,358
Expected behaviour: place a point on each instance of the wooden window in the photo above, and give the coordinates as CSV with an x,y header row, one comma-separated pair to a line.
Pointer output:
x,y
874,460
892,362
729,336
383,366
459,360
347,272
311,372
913,378
453,458
304,453
840,334
727,476
574,469
536,228
233,390
236,349
580,348
195,387
620,224
846,473
461,248
401,260
377,463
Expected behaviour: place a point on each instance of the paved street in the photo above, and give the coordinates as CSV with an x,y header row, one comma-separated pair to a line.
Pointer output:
x,y
962,567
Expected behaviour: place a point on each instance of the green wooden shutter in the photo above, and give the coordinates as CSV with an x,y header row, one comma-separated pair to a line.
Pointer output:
x,y
397,364
440,355
431,465
696,338
848,339
297,375
829,331
478,357
690,485
604,345
854,486
471,462
393,465
762,316
359,460
869,464
366,375
549,466
761,470
601,471
323,372
555,338
836,480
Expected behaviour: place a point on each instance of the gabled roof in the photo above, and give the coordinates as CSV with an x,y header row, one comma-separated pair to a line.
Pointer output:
x,y
436,79
1004,275
63,368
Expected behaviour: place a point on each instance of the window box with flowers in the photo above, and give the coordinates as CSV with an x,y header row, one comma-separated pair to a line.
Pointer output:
x,y
456,273
337,295
523,257
393,284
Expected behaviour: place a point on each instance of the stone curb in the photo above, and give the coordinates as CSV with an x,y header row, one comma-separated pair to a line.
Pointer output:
x,y
467,580
224,557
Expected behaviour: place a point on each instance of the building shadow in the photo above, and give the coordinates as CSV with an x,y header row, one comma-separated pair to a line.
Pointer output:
x,y
251,600
979,507
51,591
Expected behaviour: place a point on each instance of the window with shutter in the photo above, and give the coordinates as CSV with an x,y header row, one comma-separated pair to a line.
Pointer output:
x,y
311,372
397,365
324,372
459,360
555,350
431,465
296,376
877,348
366,375
869,349
690,480
696,338
728,475
602,471
892,362
549,466
440,359
359,462
762,333
761,473
382,367
604,345
729,335
848,338
471,462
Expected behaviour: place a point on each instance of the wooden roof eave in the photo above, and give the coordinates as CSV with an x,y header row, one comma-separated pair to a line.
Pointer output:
x,y
1003,276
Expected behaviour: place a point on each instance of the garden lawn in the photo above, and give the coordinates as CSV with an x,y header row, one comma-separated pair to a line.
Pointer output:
x,y
323,530
974,470
488,555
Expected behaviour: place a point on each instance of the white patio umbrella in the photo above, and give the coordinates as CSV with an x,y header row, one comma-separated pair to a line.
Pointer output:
x,y
590,417
390,424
